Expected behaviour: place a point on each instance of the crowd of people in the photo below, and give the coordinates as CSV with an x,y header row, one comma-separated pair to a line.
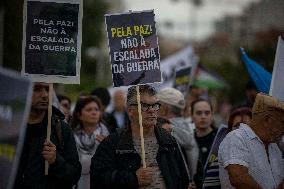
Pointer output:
x,y
91,148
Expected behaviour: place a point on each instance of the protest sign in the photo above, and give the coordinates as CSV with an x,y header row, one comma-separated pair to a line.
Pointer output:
x,y
133,48
180,59
213,154
15,101
277,86
211,168
183,79
169,65
52,33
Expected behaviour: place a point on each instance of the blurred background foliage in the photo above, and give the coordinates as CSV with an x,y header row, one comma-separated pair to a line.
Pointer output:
x,y
225,60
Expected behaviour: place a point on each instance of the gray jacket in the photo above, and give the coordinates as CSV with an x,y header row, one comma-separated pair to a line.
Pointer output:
x,y
183,132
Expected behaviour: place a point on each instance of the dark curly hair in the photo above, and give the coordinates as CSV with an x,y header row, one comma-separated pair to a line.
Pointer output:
x,y
81,103
240,111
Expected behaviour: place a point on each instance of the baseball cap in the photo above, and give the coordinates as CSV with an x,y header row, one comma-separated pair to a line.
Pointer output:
x,y
172,97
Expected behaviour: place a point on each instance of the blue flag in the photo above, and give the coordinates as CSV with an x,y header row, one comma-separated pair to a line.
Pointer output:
x,y
258,74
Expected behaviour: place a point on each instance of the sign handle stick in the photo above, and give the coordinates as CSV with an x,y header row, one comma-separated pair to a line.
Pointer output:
x,y
141,127
50,92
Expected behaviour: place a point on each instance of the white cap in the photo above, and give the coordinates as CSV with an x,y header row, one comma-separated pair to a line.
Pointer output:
x,y
172,97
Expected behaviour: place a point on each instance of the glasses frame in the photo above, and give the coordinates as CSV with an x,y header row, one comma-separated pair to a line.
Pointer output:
x,y
145,106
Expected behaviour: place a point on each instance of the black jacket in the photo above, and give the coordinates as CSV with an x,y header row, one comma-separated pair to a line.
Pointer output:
x,y
66,170
115,162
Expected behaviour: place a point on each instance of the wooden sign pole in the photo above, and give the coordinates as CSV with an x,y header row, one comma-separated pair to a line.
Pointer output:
x,y
141,127
48,133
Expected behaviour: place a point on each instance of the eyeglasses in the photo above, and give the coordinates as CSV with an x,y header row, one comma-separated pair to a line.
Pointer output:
x,y
145,107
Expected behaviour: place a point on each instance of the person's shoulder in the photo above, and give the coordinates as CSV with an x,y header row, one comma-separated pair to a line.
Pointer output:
x,y
235,137
109,121
104,128
57,113
114,136
180,122
244,132
112,141
233,134
164,137
108,115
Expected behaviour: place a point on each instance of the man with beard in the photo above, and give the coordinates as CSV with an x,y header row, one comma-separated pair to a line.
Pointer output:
x,y
60,152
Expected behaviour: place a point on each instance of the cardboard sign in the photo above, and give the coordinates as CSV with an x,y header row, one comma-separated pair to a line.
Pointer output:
x,y
52,41
133,48
16,93
183,79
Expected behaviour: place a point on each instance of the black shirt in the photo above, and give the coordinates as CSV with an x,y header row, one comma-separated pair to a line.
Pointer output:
x,y
204,144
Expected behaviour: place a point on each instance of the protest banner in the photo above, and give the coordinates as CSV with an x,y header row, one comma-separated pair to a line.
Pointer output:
x,y
277,86
15,101
133,48
134,53
170,64
211,168
52,35
183,79
182,58
213,154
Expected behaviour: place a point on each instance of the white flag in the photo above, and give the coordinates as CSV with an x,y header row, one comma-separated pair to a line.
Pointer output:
x,y
183,58
277,84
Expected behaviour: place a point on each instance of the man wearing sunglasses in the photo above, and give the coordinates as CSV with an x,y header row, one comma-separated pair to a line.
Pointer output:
x,y
117,162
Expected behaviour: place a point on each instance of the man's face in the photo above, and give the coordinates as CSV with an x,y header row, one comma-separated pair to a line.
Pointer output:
x,y
149,110
40,96
240,119
202,115
119,100
276,125
65,107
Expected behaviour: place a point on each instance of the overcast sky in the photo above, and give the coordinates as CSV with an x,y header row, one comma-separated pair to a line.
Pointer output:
x,y
185,20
